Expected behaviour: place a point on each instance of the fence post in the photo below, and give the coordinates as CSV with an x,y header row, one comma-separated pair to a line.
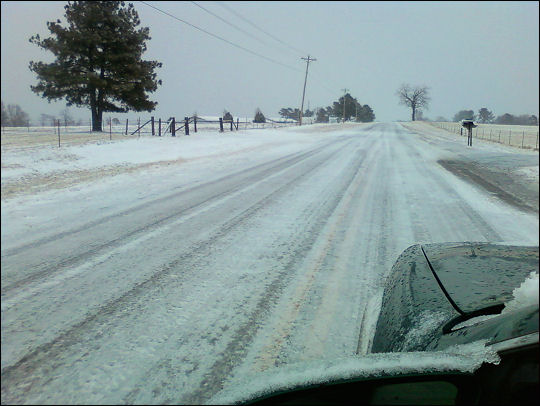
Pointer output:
x,y
522,139
509,137
58,123
159,128
237,123
499,136
490,134
173,127
221,124
126,126
186,125
153,131
195,123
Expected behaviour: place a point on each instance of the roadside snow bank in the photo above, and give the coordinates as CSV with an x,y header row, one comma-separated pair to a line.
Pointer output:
x,y
18,163
41,160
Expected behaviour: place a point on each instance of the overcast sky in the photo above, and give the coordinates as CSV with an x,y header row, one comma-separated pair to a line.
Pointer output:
x,y
470,55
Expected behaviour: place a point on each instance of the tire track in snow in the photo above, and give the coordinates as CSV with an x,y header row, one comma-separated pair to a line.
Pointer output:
x,y
237,348
48,269
17,379
434,180
327,261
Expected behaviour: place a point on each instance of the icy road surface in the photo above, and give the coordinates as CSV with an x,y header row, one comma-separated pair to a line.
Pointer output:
x,y
158,285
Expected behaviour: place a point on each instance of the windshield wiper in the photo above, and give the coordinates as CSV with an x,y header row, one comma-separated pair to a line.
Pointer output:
x,y
463,316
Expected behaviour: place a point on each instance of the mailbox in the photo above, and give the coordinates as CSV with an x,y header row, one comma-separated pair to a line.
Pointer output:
x,y
469,125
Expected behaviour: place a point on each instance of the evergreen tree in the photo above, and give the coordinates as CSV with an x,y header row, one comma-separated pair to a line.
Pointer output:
x,y
485,116
259,117
290,113
322,116
227,116
350,107
365,114
505,119
98,60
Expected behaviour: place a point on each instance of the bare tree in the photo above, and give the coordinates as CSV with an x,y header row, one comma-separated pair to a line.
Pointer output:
x,y
414,98
66,116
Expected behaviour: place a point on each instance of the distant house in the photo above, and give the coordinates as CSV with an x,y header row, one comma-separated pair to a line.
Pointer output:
x,y
332,119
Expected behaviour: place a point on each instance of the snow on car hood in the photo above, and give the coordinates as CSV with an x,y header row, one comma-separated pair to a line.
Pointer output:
x,y
460,358
479,275
524,295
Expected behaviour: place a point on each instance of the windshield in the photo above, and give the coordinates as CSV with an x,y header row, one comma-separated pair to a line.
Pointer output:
x,y
196,192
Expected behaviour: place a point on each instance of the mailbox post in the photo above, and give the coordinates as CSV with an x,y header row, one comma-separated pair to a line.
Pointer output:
x,y
469,125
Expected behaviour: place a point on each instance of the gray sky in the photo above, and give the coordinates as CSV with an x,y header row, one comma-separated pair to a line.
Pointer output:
x,y
470,54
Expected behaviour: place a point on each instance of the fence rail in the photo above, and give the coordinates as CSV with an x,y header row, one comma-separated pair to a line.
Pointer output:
x,y
520,136
60,134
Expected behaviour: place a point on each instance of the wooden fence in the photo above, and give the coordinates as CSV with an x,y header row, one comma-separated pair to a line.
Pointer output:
x,y
172,126
60,134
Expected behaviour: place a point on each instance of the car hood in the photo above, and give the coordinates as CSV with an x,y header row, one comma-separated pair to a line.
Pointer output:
x,y
480,275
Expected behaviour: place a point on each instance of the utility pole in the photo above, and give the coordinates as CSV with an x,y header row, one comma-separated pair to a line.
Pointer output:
x,y
308,60
345,90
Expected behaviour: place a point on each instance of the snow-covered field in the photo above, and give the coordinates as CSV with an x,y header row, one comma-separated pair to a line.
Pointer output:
x,y
153,270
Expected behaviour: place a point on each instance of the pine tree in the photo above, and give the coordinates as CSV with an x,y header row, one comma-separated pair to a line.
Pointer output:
x,y
485,116
227,116
98,60
259,117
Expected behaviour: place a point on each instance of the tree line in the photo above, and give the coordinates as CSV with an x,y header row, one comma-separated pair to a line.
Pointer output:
x,y
346,108
485,116
14,116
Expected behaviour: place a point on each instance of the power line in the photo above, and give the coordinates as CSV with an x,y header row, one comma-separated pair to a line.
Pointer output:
x,y
236,45
221,38
259,28
332,90
229,23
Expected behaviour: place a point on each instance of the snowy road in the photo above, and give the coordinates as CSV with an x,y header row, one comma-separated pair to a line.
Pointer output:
x,y
157,287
